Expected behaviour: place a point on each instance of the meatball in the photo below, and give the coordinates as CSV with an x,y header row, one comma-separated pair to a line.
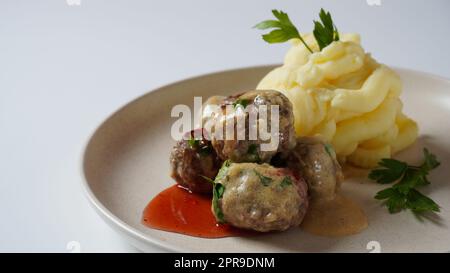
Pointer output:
x,y
192,160
259,197
249,149
316,161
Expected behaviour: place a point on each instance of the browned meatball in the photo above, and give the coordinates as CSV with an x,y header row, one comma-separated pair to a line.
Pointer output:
x,y
192,160
316,161
249,150
259,197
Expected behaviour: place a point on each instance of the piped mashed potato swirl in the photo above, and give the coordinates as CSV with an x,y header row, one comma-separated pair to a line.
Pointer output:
x,y
344,95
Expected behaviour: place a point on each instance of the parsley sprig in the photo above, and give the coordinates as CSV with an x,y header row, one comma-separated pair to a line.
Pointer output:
x,y
241,103
404,194
324,31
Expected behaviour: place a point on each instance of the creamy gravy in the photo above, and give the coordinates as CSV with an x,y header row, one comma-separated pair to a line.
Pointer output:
x,y
334,218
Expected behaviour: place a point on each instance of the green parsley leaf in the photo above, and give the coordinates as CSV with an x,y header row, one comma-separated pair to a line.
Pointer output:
x,y
396,202
241,103
223,170
325,32
202,149
392,170
329,149
265,180
385,194
218,190
285,182
419,203
284,29
193,143
431,161
403,194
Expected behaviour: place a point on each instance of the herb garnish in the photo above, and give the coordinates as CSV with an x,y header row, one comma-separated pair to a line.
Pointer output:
x,y
218,190
241,102
202,149
325,31
403,194
223,170
265,180
329,149
193,143
284,29
285,182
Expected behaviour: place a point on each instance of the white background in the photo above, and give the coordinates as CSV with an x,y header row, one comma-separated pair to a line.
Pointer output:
x,y
64,69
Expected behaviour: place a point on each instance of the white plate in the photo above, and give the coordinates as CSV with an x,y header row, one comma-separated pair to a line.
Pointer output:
x,y
126,163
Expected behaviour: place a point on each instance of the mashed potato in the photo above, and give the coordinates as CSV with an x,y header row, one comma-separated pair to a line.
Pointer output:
x,y
343,94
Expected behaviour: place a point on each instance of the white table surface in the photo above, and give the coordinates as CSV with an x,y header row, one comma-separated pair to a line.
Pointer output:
x,y
64,69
